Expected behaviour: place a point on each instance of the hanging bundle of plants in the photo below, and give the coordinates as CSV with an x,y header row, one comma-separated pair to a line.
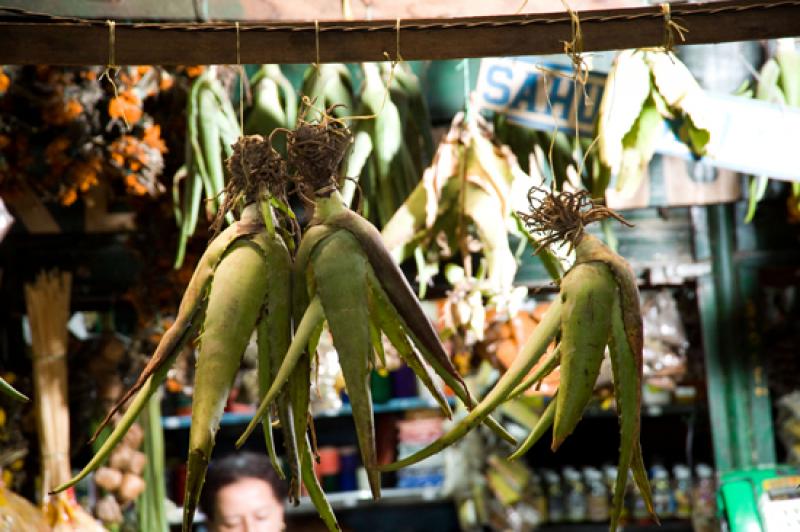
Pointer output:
x,y
48,306
344,276
597,307
211,131
241,284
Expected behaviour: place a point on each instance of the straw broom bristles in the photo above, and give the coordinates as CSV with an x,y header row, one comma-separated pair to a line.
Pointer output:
x,y
48,305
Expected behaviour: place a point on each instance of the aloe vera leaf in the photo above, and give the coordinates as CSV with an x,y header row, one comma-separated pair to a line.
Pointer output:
x,y
380,309
315,493
236,295
768,87
544,423
9,391
190,311
789,62
627,391
340,269
638,146
757,189
534,348
311,319
627,89
549,365
359,153
210,143
587,294
139,402
274,336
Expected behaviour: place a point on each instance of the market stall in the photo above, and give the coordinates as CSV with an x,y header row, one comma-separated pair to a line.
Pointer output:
x,y
399,267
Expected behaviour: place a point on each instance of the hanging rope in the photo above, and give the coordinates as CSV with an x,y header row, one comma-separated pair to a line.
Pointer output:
x,y
671,27
112,69
242,76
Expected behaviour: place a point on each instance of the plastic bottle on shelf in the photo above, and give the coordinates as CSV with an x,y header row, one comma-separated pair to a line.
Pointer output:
x,y
555,497
575,495
538,496
682,491
639,512
662,494
597,495
704,498
610,477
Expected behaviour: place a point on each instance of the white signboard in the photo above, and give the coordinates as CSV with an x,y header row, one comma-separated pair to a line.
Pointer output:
x,y
749,136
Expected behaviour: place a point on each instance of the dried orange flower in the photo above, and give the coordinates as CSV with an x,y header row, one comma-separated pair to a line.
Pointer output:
x,y
69,197
127,105
166,82
4,82
135,186
72,110
152,137
195,70
85,174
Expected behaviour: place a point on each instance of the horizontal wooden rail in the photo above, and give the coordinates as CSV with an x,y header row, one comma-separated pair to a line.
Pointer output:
x,y
38,39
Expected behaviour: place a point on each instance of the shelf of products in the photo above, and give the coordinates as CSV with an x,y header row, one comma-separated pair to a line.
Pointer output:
x,y
398,404
669,525
402,404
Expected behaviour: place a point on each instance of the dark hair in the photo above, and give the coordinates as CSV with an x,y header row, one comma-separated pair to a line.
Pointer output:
x,y
235,467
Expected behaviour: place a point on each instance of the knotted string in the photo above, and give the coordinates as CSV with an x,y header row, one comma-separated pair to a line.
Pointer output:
x,y
671,27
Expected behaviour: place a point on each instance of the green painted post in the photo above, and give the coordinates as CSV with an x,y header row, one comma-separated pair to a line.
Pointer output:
x,y
739,406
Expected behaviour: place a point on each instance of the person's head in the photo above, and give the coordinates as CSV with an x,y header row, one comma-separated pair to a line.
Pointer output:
x,y
243,493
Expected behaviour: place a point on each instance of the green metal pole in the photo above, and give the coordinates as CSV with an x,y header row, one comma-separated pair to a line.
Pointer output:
x,y
739,407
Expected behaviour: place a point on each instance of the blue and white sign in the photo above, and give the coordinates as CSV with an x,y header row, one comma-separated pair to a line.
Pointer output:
x,y
539,96
748,136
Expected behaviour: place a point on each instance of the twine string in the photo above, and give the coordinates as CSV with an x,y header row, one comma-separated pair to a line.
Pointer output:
x,y
242,75
387,88
671,27
112,69
316,46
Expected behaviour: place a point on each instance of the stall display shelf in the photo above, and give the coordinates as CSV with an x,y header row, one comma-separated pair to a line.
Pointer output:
x,y
667,525
400,404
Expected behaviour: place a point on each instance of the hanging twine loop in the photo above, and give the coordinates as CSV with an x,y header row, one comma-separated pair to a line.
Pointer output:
x,y
316,47
112,69
242,76
394,62
671,27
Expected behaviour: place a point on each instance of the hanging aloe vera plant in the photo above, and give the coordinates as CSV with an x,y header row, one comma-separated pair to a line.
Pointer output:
x,y
345,277
211,131
392,146
778,83
597,306
463,203
241,284
644,89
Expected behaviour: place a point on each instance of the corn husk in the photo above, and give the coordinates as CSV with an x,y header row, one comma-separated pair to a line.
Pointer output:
x,y
48,306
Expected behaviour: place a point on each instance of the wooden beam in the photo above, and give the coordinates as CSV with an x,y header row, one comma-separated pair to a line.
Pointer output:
x,y
59,41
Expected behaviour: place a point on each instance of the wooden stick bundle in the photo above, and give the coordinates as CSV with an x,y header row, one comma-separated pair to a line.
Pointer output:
x,y
48,303
48,306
